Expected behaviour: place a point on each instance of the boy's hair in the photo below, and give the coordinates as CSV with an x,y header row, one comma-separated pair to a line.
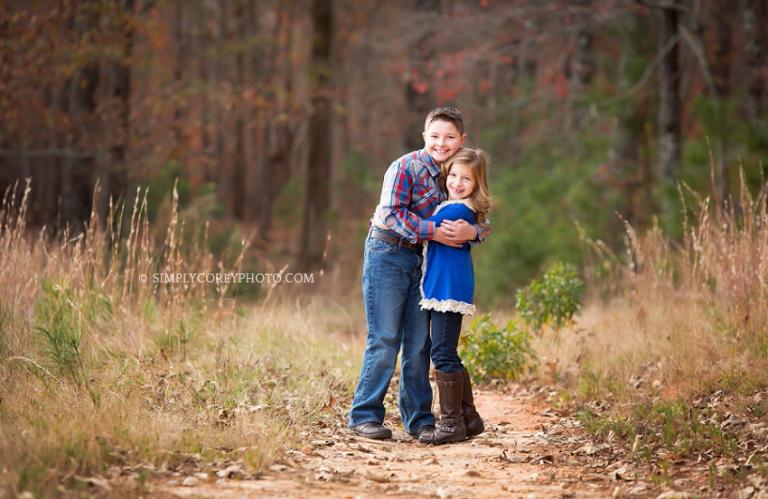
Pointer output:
x,y
478,161
449,114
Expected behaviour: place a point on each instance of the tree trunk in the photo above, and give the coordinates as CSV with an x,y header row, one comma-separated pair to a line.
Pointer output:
x,y
270,158
754,13
220,67
419,89
180,62
624,159
722,84
280,134
84,102
253,147
669,96
122,93
581,66
203,42
239,163
318,172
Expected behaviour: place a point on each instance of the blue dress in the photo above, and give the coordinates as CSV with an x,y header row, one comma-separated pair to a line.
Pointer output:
x,y
448,279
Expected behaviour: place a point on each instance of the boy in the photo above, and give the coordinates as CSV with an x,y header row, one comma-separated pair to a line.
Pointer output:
x,y
391,277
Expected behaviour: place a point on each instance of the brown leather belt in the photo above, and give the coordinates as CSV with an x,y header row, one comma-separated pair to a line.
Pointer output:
x,y
396,240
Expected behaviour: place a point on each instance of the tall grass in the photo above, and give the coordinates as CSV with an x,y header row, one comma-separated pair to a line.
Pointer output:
x,y
676,317
102,369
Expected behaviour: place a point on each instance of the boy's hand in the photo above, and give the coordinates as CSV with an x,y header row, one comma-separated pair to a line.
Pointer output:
x,y
455,233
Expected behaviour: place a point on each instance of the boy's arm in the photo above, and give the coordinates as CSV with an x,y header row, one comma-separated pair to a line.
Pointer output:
x,y
483,231
465,232
393,210
457,224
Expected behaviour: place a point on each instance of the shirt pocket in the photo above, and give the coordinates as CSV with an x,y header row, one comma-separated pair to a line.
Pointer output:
x,y
424,195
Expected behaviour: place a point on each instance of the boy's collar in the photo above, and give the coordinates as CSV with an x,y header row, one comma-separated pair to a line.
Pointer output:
x,y
428,160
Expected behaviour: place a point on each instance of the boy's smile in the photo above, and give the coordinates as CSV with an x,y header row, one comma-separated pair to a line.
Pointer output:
x,y
460,181
442,139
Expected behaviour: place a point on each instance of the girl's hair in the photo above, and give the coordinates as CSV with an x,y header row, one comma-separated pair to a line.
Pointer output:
x,y
478,161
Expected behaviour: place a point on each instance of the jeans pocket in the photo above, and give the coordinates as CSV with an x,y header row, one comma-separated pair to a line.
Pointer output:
x,y
378,246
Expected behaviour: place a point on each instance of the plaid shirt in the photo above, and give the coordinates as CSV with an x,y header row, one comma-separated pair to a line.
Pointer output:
x,y
409,196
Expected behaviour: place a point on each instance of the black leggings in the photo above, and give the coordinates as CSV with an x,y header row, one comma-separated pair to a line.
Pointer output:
x,y
446,328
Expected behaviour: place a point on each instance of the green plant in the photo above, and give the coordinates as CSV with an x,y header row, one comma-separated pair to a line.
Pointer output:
x,y
492,352
552,300
59,322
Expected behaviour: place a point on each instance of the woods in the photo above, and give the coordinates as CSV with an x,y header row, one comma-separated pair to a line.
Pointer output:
x,y
289,111
622,288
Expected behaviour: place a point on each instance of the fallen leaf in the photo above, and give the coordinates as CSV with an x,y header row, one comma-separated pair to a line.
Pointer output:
x,y
376,477
93,481
233,471
190,481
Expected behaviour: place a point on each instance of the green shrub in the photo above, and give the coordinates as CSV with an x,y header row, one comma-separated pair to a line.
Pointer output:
x,y
492,352
552,300
59,322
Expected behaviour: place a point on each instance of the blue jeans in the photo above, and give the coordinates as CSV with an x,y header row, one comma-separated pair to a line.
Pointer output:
x,y
391,277
446,329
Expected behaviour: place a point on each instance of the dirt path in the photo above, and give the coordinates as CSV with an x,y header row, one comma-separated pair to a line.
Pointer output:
x,y
527,452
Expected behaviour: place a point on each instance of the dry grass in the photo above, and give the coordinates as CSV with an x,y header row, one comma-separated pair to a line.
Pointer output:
x,y
679,317
100,371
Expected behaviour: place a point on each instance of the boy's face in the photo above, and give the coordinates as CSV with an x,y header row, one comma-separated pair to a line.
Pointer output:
x,y
442,139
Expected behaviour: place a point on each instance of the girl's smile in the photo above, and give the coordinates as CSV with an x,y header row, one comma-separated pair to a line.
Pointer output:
x,y
460,181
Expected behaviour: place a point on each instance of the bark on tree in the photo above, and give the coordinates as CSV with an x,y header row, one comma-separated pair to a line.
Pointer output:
x,y
203,39
722,84
253,148
670,109
313,238
82,100
277,123
419,91
754,18
624,159
221,66
580,65
116,175
239,160
180,62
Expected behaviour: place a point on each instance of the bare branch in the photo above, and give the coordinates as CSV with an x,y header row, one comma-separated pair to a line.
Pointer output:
x,y
643,80
698,52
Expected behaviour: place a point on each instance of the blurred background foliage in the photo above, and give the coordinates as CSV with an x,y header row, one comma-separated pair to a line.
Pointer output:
x,y
277,119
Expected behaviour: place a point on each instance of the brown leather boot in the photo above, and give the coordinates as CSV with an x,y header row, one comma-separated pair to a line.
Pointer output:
x,y
451,427
472,420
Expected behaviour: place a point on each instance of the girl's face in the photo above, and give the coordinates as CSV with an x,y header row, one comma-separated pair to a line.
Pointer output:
x,y
460,181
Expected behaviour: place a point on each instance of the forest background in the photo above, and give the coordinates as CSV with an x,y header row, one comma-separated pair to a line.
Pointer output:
x,y
279,118
137,137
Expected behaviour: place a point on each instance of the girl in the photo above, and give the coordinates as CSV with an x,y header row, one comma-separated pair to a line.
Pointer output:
x,y
447,288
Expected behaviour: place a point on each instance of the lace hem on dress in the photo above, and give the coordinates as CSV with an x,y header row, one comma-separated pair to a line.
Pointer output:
x,y
447,306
